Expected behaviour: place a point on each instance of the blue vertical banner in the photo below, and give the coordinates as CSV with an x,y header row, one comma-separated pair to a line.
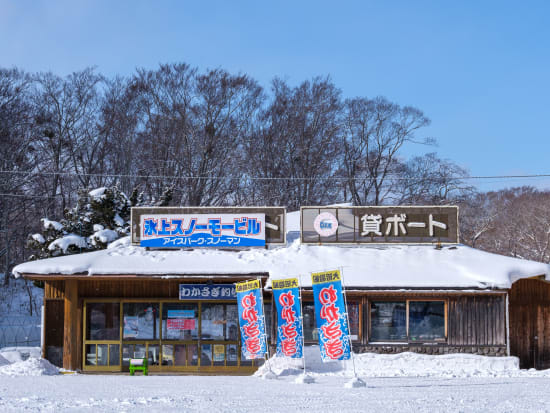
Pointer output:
x,y
251,319
331,316
290,337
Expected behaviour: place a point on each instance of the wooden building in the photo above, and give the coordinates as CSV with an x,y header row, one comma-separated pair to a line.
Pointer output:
x,y
174,306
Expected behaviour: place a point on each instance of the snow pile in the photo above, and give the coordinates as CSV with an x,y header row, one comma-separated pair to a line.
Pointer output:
x,y
98,193
380,266
38,238
397,365
51,224
66,241
24,361
386,266
103,235
119,221
31,367
3,361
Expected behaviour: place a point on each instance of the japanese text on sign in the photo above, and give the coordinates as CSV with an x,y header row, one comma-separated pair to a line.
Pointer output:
x,y
207,292
396,225
222,230
382,225
251,319
330,312
289,331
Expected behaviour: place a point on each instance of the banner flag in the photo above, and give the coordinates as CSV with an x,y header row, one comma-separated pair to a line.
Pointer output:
x,y
251,319
290,336
331,316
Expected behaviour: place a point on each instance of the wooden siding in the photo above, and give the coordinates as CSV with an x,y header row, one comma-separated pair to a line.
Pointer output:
x,y
530,323
472,319
477,320
54,289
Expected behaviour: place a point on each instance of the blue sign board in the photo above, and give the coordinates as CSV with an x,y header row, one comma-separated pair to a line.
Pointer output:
x,y
207,292
203,230
331,316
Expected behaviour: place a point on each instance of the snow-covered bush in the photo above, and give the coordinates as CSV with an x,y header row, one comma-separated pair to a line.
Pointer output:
x,y
99,217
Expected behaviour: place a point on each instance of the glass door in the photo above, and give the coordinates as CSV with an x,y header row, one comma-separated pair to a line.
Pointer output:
x,y
101,336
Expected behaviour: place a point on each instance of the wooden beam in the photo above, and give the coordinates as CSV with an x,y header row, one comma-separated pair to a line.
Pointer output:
x,y
70,328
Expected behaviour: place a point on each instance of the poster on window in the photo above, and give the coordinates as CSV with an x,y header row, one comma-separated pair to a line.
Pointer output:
x,y
290,336
251,319
330,313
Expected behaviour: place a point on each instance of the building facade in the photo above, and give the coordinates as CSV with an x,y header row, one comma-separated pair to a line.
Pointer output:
x,y
167,293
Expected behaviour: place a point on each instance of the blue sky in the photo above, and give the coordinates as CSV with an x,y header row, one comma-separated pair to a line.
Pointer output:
x,y
479,70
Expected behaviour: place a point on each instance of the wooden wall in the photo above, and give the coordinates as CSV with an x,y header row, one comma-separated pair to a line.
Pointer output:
x,y
473,319
477,320
530,323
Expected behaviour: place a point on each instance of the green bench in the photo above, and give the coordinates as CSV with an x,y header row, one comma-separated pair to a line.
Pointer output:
x,y
139,364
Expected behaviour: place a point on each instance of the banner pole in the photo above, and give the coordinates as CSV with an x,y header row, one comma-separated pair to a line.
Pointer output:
x,y
265,325
349,325
302,321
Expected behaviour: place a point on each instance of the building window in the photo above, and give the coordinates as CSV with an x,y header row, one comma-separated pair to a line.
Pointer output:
x,y
180,321
103,321
310,326
407,321
426,320
141,321
388,321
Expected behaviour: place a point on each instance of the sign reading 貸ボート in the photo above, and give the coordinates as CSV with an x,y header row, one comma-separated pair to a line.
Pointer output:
x,y
203,230
251,319
207,292
331,315
290,336
387,224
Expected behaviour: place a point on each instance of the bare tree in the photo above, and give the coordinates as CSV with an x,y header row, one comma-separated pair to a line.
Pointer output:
x,y
192,129
375,131
67,131
16,164
294,147
432,181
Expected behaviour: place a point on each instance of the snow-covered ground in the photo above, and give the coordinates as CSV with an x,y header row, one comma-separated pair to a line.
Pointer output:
x,y
101,393
420,383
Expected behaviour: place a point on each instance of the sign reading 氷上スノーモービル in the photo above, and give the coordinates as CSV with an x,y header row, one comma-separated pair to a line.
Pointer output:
x,y
213,227
380,225
203,230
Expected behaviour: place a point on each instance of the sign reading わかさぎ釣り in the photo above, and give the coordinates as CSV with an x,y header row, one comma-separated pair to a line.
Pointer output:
x,y
207,292
203,230
387,224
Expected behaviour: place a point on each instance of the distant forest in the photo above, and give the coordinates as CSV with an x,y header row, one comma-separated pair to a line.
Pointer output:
x,y
180,136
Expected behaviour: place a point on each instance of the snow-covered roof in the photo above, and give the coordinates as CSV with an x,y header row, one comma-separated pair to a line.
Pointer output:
x,y
381,266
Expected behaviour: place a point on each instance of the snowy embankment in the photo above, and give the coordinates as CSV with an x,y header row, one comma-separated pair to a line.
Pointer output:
x,y
401,365
24,361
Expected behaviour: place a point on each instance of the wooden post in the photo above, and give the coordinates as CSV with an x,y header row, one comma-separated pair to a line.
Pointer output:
x,y
70,330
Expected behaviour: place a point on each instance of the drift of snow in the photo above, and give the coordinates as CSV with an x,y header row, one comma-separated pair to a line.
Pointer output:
x,y
38,238
24,361
3,361
66,241
397,365
104,236
31,367
51,224
98,227
118,220
417,266
97,193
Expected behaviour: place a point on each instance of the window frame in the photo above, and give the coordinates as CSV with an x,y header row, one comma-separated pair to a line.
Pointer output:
x,y
355,300
408,341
